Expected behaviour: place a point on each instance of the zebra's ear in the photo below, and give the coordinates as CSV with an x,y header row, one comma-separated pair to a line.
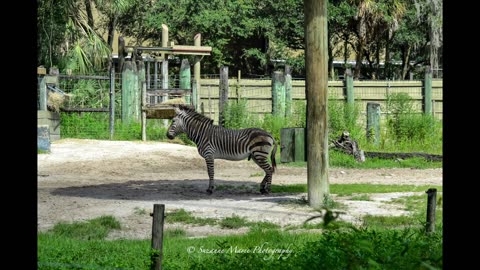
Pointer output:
x,y
177,108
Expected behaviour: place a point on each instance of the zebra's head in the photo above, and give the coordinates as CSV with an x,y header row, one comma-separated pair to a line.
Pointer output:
x,y
176,127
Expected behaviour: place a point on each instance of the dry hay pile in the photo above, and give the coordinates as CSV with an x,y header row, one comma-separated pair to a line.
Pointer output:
x,y
56,100
174,101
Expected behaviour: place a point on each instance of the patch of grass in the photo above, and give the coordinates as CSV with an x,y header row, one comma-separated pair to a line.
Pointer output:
x,y
233,222
256,174
389,222
183,216
175,232
349,189
332,249
363,197
95,229
294,188
263,225
338,159
139,211
40,151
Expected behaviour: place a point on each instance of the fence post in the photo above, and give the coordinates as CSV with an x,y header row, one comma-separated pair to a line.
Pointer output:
x,y
144,113
349,86
278,94
427,91
185,82
288,91
196,66
165,66
195,98
157,235
238,86
42,85
128,84
138,93
148,75
431,207
223,94
373,122
112,101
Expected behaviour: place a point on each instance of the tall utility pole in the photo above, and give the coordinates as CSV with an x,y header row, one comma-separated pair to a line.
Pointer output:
x,y
316,65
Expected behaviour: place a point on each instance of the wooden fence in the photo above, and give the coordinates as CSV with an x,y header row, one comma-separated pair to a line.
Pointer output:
x,y
258,93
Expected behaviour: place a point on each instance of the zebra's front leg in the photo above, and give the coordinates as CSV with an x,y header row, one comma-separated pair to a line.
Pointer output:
x,y
211,183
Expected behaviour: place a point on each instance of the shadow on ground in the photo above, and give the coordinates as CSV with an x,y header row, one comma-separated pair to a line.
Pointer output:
x,y
168,190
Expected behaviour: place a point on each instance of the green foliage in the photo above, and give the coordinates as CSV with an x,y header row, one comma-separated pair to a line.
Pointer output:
x,y
175,232
182,216
233,222
341,160
344,117
349,189
404,125
96,126
236,114
58,252
94,229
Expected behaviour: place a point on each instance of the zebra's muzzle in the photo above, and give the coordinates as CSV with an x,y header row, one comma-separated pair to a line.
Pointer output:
x,y
170,136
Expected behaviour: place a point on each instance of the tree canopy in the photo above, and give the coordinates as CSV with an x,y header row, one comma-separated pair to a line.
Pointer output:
x,y
386,38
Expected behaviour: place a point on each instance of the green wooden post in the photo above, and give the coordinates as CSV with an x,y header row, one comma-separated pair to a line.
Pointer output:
x,y
288,91
195,95
128,88
299,144
373,122
349,86
287,145
223,94
278,94
196,67
427,92
185,79
316,92
43,93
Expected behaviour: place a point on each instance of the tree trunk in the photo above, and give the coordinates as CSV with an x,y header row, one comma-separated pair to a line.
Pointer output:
x,y
111,31
316,58
405,61
331,71
358,60
88,8
345,48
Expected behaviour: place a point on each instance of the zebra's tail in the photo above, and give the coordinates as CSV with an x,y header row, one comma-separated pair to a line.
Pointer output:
x,y
272,156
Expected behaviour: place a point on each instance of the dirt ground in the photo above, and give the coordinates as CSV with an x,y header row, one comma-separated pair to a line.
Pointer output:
x,y
84,179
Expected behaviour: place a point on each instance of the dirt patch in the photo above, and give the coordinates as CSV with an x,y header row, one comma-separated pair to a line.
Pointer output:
x,y
83,179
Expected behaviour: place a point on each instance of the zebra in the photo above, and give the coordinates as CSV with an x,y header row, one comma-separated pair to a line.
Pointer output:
x,y
217,142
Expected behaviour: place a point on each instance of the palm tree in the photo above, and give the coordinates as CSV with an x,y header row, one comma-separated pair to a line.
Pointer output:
x,y
374,20
67,39
112,9
431,11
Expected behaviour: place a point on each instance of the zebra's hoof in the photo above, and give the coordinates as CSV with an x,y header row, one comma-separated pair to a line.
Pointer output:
x,y
264,191
210,191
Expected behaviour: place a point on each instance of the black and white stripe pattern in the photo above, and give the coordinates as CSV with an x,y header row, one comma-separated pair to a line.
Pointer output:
x,y
216,142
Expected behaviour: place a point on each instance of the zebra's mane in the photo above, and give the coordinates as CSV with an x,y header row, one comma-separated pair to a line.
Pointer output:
x,y
195,115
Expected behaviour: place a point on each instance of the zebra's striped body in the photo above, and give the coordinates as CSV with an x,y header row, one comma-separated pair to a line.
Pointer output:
x,y
215,142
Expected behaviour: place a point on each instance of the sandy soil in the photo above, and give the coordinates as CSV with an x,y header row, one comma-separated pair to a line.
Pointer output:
x,y
84,179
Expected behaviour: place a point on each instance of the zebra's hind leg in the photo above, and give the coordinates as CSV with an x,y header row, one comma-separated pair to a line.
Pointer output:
x,y
262,162
210,169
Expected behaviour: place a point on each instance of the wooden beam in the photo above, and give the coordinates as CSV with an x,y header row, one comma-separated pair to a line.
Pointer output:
x,y
316,66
